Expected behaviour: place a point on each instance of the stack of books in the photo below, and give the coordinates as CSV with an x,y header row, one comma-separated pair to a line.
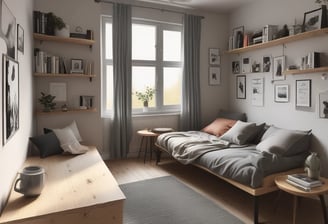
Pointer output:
x,y
303,182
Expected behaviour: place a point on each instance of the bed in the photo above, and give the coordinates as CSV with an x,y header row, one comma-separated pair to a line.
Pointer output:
x,y
245,154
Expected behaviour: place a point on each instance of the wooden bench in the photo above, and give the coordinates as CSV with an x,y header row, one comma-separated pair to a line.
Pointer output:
x,y
78,189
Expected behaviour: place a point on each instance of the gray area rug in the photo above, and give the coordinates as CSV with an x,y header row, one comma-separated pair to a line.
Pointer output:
x,y
166,200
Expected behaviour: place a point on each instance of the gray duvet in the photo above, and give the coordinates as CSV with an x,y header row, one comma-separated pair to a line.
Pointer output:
x,y
243,164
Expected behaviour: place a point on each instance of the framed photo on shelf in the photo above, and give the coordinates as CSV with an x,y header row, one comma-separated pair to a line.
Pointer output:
x,y
241,86
315,19
238,37
236,67
278,68
281,93
77,66
303,93
86,102
323,104
214,76
214,56
10,97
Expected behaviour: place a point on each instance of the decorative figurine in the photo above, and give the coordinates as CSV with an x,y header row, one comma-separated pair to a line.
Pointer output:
x,y
312,166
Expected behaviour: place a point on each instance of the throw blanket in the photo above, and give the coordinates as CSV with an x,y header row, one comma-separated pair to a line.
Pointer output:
x,y
189,146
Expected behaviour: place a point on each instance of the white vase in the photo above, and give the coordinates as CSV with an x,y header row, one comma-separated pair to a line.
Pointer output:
x,y
64,32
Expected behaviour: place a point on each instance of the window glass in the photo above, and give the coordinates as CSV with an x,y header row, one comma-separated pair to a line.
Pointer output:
x,y
109,87
171,45
109,41
142,77
172,80
143,42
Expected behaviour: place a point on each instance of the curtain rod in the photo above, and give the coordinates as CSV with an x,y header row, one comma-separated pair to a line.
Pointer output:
x,y
145,7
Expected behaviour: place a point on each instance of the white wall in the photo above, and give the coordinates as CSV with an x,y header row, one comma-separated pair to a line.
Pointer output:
x,y
94,129
286,115
13,154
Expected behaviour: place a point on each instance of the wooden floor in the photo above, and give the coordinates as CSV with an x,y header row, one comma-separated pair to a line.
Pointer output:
x,y
273,208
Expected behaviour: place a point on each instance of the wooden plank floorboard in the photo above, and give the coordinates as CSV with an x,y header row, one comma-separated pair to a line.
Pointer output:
x,y
272,209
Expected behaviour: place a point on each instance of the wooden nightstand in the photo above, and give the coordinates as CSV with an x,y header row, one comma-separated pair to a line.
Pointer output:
x,y
315,192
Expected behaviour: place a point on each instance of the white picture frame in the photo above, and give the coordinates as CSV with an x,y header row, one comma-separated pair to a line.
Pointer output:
x,y
323,104
281,93
278,68
246,65
214,76
214,56
258,92
241,86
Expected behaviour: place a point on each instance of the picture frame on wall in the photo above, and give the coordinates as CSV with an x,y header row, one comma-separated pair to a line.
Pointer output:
x,y
236,67
8,29
214,56
10,97
246,65
323,104
238,37
20,38
315,19
281,93
303,93
256,66
258,92
278,68
266,64
241,86
214,76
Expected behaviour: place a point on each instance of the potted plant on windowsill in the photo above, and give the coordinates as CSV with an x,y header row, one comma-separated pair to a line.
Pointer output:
x,y
47,102
145,97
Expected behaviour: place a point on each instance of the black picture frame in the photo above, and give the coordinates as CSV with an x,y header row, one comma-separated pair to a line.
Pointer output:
x,y
303,93
235,67
241,86
238,37
315,19
20,38
10,97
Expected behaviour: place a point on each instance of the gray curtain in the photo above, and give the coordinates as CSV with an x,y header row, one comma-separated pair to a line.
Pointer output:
x,y
121,124
190,111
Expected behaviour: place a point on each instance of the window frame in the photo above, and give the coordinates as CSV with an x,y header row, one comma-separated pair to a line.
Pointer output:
x,y
158,63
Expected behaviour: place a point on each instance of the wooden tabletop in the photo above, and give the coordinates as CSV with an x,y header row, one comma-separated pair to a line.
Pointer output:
x,y
283,185
147,133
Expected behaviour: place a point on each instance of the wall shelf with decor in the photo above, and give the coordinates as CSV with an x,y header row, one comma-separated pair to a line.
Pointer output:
x,y
46,75
305,71
280,41
69,111
69,40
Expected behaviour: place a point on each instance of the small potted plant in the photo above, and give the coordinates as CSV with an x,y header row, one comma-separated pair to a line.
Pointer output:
x,y
146,96
60,27
47,101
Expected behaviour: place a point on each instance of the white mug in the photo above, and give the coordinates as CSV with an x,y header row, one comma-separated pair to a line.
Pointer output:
x,y
31,181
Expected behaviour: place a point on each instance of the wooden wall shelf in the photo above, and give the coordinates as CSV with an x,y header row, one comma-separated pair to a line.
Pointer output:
x,y
64,75
305,71
70,111
69,40
280,41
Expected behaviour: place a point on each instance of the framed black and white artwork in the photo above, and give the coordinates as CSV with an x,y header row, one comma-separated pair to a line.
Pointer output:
x,y
303,93
236,67
8,30
278,68
214,76
241,86
315,19
214,56
10,97
281,93
20,38
258,92
323,104
266,64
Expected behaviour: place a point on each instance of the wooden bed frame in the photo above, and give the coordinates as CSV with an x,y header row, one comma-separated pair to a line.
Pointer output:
x,y
268,185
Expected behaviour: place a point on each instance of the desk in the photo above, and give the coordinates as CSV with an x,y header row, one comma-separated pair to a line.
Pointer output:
x,y
78,190
317,192
148,139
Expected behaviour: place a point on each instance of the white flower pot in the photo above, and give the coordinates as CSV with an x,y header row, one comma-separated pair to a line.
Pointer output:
x,y
63,32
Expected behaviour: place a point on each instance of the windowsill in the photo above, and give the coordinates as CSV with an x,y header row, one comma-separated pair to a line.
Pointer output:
x,y
154,114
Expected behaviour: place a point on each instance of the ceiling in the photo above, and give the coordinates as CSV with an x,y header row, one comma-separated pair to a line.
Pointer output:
x,y
221,6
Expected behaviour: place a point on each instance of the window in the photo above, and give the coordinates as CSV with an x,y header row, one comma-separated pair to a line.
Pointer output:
x,y
156,63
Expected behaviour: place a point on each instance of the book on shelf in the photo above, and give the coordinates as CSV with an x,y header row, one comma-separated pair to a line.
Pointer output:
x,y
304,180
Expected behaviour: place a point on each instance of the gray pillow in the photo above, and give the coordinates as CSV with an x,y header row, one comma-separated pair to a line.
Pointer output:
x,y
232,115
240,133
284,142
47,144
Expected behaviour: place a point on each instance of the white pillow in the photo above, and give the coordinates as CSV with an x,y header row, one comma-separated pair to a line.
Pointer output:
x,y
75,130
68,141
